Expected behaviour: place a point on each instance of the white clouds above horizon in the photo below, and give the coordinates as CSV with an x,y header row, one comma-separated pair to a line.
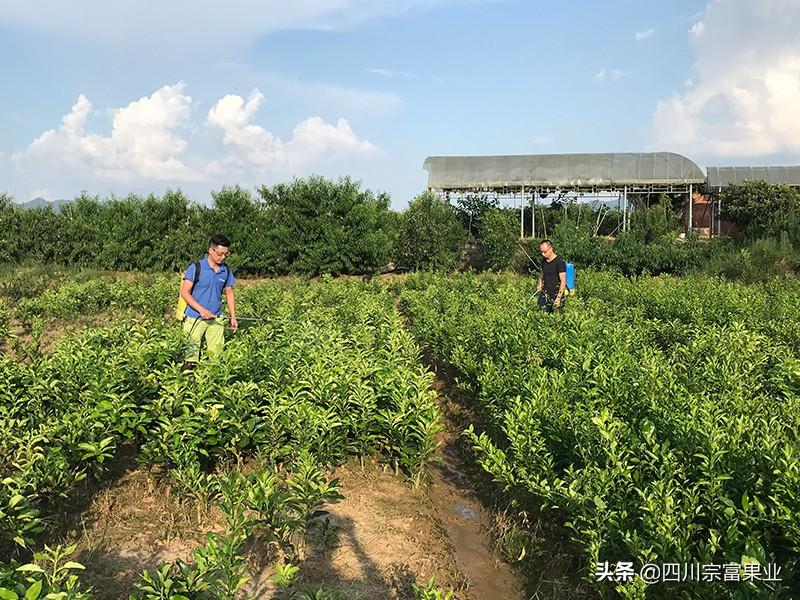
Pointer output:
x,y
643,35
143,143
151,139
312,139
745,94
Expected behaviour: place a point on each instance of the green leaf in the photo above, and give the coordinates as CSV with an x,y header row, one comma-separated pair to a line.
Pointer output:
x,y
71,564
30,568
34,591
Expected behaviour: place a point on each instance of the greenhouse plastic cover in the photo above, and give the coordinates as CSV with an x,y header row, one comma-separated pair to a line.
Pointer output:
x,y
724,176
561,170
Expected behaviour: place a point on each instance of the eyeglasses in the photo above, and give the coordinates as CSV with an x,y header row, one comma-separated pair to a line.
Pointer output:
x,y
221,254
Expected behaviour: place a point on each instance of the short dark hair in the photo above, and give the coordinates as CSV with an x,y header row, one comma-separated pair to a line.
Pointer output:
x,y
219,240
548,242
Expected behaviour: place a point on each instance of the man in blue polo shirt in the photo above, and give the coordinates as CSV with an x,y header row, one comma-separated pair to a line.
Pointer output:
x,y
204,301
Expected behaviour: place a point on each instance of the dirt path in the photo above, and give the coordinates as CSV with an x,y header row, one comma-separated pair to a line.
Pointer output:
x,y
462,491
466,523
385,537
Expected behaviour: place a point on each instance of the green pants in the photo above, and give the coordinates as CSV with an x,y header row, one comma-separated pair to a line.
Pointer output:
x,y
214,332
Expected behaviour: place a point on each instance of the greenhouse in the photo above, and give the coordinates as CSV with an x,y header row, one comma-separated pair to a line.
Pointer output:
x,y
523,180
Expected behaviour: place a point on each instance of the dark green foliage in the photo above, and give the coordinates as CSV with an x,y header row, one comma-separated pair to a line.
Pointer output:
x,y
499,237
319,226
760,208
330,373
309,226
471,207
651,247
431,236
655,418
654,222
152,234
315,226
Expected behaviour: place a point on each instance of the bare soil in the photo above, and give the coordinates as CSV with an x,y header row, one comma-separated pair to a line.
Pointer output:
x,y
384,536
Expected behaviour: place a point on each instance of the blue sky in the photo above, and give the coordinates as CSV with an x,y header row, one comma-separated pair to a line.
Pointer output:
x,y
135,96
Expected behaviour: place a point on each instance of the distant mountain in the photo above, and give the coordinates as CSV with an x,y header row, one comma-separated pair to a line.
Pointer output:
x,y
35,203
42,203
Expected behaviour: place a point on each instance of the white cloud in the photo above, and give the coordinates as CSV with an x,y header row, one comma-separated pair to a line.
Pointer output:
x,y
643,35
603,74
143,140
312,139
698,28
745,96
204,23
144,144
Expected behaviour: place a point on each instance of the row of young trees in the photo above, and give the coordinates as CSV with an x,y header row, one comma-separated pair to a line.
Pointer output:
x,y
309,226
314,226
766,216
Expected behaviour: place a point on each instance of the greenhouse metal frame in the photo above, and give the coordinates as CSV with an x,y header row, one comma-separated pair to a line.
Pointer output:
x,y
527,178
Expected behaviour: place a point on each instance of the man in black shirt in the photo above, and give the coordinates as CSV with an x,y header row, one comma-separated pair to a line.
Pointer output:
x,y
552,278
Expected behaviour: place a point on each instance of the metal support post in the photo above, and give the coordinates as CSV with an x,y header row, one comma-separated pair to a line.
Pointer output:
x,y
625,209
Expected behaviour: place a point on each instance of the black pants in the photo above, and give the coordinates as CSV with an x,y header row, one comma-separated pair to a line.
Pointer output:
x,y
547,302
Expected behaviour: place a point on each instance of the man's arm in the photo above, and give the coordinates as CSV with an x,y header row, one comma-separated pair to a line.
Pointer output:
x,y
562,285
540,283
230,299
186,294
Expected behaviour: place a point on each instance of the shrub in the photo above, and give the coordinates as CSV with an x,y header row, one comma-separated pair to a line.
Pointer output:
x,y
499,236
430,236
